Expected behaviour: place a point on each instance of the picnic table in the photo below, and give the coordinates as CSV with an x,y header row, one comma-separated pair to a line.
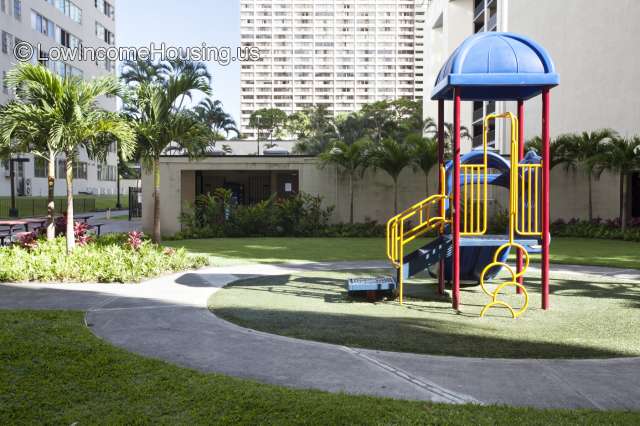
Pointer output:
x,y
84,218
11,226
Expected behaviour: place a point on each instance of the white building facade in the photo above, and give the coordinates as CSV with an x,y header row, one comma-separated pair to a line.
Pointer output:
x,y
59,23
338,53
593,45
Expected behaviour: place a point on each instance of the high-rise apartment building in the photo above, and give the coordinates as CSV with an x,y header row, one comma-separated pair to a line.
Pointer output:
x,y
592,44
45,24
337,53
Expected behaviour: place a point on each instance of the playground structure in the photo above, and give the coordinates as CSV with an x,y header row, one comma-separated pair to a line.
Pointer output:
x,y
489,66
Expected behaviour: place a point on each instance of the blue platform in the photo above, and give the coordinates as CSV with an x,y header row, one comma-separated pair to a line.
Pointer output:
x,y
496,66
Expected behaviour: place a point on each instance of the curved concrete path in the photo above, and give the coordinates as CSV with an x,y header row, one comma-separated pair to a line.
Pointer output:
x,y
167,319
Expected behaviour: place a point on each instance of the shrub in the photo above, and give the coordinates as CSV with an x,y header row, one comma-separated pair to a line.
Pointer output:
x,y
216,216
597,228
135,240
107,259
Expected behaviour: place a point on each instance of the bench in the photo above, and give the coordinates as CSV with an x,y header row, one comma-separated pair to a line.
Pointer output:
x,y
97,226
3,238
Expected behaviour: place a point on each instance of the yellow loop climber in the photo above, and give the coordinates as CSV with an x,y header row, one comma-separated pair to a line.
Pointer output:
x,y
513,216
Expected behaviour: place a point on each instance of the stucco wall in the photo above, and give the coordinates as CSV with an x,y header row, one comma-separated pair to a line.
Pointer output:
x,y
373,193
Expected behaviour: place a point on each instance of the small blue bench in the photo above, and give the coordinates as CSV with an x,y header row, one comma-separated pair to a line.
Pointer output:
x,y
372,288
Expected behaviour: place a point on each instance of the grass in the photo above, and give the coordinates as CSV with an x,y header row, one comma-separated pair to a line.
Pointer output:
x,y
225,251
55,371
589,318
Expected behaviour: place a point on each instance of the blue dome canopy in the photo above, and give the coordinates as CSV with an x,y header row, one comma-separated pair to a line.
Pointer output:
x,y
496,66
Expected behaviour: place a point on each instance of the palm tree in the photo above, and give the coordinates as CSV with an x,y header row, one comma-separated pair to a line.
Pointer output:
x,y
392,157
431,130
352,160
581,150
557,149
214,116
425,155
156,110
74,121
622,156
140,71
25,128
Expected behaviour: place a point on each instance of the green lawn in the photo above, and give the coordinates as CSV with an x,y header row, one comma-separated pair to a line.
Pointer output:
x,y
576,251
54,371
589,317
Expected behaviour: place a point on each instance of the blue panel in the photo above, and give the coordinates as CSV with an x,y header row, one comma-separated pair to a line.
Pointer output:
x,y
496,66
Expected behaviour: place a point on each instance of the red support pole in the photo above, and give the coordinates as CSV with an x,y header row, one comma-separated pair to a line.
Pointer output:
x,y
546,237
441,189
519,260
456,199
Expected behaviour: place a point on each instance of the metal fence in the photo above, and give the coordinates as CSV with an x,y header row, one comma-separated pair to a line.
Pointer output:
x,y
32,207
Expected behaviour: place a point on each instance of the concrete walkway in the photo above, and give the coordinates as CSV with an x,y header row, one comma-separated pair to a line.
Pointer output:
x,y
167,319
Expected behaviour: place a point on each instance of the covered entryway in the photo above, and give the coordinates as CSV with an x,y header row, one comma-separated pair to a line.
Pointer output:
x,y
249,187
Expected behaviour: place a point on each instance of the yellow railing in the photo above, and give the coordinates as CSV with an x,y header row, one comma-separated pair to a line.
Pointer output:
x,y
528,215
414,222
473,216
518,186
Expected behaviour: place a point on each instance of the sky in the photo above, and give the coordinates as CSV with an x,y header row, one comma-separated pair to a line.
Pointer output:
x,y
187,23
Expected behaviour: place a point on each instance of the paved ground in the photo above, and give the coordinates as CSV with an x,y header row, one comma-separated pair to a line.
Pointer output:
x,y
116,226
167,319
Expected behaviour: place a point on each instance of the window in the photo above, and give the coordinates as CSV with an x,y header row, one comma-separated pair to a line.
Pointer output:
x,y
40,167
60,169
79,170
3,6
106,8
104,34
106,172
68,8
67,39
7,40
17,9
5,86
43,25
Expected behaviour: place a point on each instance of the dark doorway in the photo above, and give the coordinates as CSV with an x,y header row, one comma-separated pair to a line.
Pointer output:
x,y
248,187
635,195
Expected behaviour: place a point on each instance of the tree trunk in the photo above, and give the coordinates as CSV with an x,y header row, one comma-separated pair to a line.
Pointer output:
x,y
51,206
626,204
590,196
351,197
156,201
71,238
426,181
395,196
621,189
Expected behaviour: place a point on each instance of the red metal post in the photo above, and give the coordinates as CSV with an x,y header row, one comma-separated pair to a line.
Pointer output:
x,y
546,237
456,199
521,141
440,164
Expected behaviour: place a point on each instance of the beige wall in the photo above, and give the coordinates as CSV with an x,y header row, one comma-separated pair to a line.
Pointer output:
x,y
373,193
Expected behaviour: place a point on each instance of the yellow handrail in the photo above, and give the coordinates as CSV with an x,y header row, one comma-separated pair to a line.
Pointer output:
x,y
401,229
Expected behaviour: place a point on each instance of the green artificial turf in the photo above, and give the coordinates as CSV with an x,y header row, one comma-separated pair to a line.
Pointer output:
x,y
54,371
574,251
589,317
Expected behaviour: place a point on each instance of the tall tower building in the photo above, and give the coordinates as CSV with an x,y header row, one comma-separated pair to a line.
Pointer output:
x,y
337,53
45,24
